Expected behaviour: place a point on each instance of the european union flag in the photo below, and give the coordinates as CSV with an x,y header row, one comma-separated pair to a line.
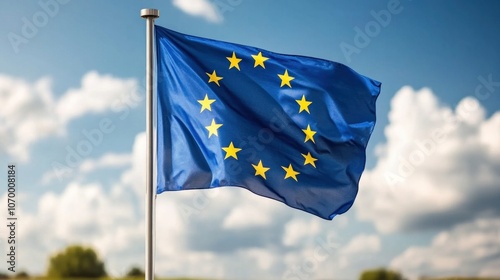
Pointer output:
x,y
290,128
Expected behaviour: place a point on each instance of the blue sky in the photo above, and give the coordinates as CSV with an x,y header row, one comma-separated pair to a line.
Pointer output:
x,y
428,200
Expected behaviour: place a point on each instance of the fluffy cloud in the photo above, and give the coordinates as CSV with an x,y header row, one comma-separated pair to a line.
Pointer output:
x,y
200,8
362,244
82,213
299,230
468,249
239,217
30,111
27,115
111,219
135,176
113,222
232,233
439,166
108,218
108,160
97,94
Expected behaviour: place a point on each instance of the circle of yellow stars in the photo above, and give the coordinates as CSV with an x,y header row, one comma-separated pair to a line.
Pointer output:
x,y
231,150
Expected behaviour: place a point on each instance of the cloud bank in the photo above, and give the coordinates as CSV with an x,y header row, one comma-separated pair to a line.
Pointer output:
x,y
31,112
439,166
438,170
468,249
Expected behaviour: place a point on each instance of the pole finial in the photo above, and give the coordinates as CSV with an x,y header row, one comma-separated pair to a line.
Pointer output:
x,y
154,13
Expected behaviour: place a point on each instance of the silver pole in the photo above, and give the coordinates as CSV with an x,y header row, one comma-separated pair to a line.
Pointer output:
x,y
149,15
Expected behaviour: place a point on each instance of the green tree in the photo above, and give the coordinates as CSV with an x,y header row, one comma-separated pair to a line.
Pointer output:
x,y
76,261
380,274
22,275
135,272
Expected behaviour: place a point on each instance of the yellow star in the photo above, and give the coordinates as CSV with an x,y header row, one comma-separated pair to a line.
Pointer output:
x,y
214,78
231,151
259,60
309,134
212,128
285,79
260,169
304,104
234,61
205,103
309,159
290,173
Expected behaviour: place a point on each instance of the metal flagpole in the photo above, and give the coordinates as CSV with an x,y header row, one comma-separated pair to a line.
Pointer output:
x,y
149,15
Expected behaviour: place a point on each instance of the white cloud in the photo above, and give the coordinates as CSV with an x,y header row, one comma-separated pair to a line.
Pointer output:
x,y
97,94
363,244
30,112
298,230
83,214
317,260
490,134
200,8
96,212
135,177
232,233
108,160
254,213
439,166
27,114
111,221
264,258
468,249
206,233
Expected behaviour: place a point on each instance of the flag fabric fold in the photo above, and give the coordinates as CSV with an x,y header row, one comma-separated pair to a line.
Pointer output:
x,y
290,128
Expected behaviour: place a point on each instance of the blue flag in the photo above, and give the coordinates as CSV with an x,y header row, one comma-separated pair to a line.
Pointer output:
x,y
290,128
